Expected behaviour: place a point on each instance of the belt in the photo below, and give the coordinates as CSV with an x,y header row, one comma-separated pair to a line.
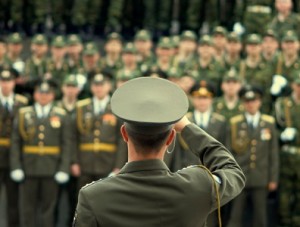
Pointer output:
x,y
5,142
291,149
97,147
259,9
52,150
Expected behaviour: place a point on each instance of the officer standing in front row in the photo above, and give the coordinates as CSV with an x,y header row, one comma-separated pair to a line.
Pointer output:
x,y
9,106
158,197
40,155
255,146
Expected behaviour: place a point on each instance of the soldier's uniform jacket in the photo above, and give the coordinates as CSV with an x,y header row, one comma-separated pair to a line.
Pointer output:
x,y
41,146
58,73
100,145
6,126
35,68
287,114
287,71
221,108
256,151
158,192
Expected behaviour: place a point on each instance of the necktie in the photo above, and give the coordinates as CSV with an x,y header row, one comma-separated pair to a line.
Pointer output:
x,y
42,112
7,107
201,121
250,124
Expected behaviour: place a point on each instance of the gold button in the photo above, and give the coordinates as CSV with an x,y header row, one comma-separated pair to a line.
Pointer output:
x,y
254,142
252,165
253,157
41,127
96,140
97,132
41,136
41,143
97,123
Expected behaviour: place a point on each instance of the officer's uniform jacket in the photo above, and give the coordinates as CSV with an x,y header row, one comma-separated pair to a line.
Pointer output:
x,y
100,145
41,146
145,193
256,150
220,107
6,126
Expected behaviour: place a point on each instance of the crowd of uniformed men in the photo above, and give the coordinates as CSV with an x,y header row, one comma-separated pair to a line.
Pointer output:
x,y
57,132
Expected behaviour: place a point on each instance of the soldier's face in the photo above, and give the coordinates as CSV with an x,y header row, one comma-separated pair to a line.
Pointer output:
x,y
15,48
205,50
219,41
39,50
234,47
74,49
43,98
291,47
269,44
2,49
253,49
128,58
101,90
91,60
7,87
163,52
187,46
58,53
252,106
113,46
70,91
296,89
143,46
202,104
283,5
231,88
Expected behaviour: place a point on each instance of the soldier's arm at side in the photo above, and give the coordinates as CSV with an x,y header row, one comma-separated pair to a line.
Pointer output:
x,y
216,158
84,215
16,145
66,146
274,159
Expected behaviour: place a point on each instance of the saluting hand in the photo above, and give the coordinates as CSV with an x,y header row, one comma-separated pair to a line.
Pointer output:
x,y
179,126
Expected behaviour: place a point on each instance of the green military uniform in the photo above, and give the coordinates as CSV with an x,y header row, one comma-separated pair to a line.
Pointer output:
x,y
254,14
100,147
156,195
287,110
9,107
228,61
41,146
75,65
36,67
254,144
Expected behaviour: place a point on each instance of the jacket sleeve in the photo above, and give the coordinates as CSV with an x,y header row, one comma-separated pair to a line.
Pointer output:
x,y
274,156
66,145
16,146
84,215
217,159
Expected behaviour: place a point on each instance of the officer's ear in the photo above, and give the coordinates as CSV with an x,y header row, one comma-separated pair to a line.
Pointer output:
x,y
171,137
124,133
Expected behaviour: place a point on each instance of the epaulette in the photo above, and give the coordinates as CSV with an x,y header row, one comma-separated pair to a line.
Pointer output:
x,y
83,102
22,99
26,109
189,115
89,184
268,118
59,110
236,119
219,117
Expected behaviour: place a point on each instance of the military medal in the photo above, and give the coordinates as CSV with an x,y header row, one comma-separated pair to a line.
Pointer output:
x,y
265,134
109,119
55,122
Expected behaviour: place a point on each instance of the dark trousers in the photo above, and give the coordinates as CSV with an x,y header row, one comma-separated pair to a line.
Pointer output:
x,y
12,198
38,200
258,197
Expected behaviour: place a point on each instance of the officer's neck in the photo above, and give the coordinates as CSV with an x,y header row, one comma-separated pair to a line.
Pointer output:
x,y
136,155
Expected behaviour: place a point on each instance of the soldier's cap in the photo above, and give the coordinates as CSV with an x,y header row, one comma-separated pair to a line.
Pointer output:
x,y
143,35
250,92
219,30
100,78
39,39
188,35
165,43
14,38
290,36
253,39
203,89
174,73
270,33
233,37
175,40
45,86
90,49
149,105
129,48
124,75
155,72
8,74
114,36
73,39
71,80
58,41
231,75
206,40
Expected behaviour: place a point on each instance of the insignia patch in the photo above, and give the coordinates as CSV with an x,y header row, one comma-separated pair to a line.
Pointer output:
x,y
265,134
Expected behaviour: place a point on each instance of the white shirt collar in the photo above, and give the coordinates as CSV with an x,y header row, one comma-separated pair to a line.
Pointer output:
x,y
42,111
253,118
9,99
100,105
202,118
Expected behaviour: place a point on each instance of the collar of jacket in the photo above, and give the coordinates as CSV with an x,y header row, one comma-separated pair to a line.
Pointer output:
x,y
145,165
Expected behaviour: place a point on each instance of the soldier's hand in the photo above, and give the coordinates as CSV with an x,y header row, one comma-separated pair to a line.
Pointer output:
x,y
61,177
75,170
181,124
288,134
278,83
17,175
272,186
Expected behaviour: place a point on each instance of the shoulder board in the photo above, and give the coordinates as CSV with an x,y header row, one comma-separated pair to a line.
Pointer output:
x,y
92,183
268,118
26,109
59,110
84,102
236,119
21,99
218,117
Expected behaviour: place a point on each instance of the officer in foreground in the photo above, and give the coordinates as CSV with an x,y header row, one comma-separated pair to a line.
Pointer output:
x,y
145,192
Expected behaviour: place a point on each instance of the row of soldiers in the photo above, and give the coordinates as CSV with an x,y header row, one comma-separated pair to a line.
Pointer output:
x,y
161,17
